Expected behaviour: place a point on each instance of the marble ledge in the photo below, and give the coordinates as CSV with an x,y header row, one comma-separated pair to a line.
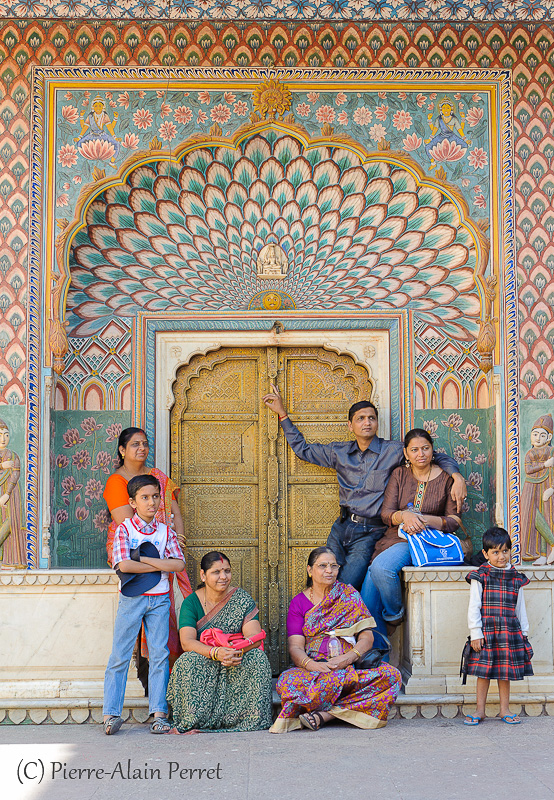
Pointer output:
x,y
58,577
455,574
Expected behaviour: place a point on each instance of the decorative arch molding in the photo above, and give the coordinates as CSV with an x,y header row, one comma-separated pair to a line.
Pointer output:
x,y
379,204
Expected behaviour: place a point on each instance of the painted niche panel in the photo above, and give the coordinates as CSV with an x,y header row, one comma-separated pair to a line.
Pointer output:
x,y
83,456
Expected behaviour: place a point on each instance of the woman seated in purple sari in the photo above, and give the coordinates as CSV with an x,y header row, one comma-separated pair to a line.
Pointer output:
x,y
322,686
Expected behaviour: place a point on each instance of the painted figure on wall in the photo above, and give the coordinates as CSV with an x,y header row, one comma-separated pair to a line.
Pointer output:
x,y
537,511
12,536
447,142
97,139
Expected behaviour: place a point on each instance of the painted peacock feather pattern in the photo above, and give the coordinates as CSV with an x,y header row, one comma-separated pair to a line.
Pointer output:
x,y
357,235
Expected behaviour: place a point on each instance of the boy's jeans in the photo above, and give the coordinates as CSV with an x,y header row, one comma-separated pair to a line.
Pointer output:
x,y
154,610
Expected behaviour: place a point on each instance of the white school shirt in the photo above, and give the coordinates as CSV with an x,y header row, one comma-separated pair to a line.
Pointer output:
x,y
158,537
474,620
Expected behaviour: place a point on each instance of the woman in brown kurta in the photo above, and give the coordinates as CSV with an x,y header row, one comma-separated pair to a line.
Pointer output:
x,y
427,486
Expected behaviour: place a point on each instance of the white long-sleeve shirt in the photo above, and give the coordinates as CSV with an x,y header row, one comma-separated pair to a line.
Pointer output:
x,y
474,620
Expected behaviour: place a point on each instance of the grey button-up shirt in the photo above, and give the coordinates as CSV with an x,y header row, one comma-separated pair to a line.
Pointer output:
x,y
362,475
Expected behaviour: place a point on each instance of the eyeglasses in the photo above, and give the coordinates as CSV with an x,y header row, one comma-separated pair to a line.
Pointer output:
x,y
334,567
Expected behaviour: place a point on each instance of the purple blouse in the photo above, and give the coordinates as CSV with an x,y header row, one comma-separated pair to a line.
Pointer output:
x,y
299,608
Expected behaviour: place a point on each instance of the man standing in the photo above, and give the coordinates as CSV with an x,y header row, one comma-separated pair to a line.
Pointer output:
x,y
363,468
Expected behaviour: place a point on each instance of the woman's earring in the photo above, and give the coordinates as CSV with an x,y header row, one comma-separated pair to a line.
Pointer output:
x,y
407,464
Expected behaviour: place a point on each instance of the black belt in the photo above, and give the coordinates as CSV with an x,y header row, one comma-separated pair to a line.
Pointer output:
x,y
345,514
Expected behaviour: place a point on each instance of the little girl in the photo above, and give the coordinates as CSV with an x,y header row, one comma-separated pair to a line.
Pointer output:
x,y
498,625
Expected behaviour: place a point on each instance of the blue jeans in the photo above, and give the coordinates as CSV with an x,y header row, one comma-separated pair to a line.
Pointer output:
x,y
353,544
382,590
131,612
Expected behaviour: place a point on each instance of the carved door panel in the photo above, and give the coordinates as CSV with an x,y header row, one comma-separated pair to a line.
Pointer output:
x,y
242,489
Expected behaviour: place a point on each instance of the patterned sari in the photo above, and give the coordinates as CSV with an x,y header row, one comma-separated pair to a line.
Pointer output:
x,y
205,695
361,697
115,495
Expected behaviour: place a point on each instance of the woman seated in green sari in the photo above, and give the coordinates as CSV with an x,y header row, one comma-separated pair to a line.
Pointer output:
x,y
219,688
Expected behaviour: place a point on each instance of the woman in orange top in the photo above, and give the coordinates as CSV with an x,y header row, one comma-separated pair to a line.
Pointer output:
x,y
132,450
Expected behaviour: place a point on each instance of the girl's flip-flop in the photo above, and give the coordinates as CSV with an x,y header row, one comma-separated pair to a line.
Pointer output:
x,y
472,720
511,719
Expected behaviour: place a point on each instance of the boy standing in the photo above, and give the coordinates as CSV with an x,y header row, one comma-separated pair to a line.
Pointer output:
x,y
144,596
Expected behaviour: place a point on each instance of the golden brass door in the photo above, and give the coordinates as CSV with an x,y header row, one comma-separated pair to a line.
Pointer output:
x,y
243,490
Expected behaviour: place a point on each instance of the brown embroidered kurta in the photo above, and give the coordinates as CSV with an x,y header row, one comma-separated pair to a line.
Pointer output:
x,y
401,490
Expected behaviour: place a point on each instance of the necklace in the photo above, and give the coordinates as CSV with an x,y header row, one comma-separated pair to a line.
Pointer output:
x,y
205,602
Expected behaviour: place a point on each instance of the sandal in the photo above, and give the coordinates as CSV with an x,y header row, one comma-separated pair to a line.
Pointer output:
x,y
511,719
160,725
472,720
311,720
112,725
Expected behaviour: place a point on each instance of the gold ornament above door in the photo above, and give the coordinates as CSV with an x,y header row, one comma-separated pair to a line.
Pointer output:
x,y
243,491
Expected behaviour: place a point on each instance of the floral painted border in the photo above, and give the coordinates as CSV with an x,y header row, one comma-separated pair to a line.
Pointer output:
x,y
286,10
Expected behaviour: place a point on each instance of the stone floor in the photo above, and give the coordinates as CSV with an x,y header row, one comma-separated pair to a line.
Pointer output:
x,y
415,759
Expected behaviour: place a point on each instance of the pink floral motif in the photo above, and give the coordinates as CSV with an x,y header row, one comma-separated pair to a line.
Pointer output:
x,y
142,118
142,94
421,99
457,96
62,200
411,142
477,189
103,462
72,437
81,459
402,95
465,182
377,132
474,480
183,114
342,118
240,108
101,521
77,179
123,99
113,104
402,120
160,93
478,158
313,97
81,513
202,117
71,114
90,426
480,201
66,186
475,98
229,97
221,113
465,506
204,97
69,485
472,434
165,110
447,151
382,95
61,516
481,507
67,155
109,95
97,150
454,421
462,454
325,114
474,115
362,116
432,96
62,462
431,427
131,141
480,459
86,94
167,131
94,489
303,109
381,112
68,95
113,431
340,99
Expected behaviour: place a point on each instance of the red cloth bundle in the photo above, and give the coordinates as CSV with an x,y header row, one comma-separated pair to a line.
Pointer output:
x,y
214,637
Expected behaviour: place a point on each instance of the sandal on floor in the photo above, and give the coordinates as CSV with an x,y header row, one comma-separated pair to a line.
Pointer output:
x,y
472,720
311,720
160,725
112,725
511,719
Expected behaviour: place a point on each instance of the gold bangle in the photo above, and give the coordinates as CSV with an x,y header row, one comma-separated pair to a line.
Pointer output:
x,y
211,653
305,661
358,652
216,653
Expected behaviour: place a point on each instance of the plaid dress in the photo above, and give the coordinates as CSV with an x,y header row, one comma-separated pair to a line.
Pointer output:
x,y
507,654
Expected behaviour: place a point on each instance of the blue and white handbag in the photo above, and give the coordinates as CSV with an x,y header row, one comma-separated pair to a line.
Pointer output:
x,y
432,548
